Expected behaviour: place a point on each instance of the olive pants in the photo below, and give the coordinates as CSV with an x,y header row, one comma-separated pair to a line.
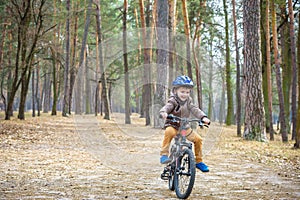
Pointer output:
x,y
192,136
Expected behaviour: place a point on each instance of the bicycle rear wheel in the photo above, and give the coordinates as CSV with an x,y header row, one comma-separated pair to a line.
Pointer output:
x,y
185,174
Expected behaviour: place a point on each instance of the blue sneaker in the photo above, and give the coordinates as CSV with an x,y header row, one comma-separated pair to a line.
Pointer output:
x,y
203,167
165,159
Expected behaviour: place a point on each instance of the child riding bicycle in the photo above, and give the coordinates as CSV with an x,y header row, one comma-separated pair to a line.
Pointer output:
x,y
180,104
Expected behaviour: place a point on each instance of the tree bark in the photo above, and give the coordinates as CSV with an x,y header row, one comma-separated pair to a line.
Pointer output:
x,y
126,75
24,16
238,72
73,70
286,65
27,56
37,90
187,36
67,63
102,69
147,68
294,69
162,56
2,74
297,138
278,76
47,90
230,108
195,49
32,93
172,15
87,84
254,109
269,72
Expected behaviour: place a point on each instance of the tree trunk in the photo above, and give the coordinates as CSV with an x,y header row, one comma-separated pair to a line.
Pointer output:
x,y
210,78
294,69
67,63
254,109
98,83
126,71
37,90
27,56
162,57
278,76
73,70
32,93
269,72
47,90
222,104
297,138
230,108
195,49
286,65
2,73
238,72
54,65
187,36
78,100
172,11
54,81
103,73
9,78
3,36
87,83
24,90
23,13
147,68
138,58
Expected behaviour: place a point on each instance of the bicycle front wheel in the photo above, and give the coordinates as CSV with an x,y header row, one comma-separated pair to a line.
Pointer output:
x,y
171,178
185,174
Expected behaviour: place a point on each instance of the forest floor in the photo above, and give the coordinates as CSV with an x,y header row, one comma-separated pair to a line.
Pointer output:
x,y
87,157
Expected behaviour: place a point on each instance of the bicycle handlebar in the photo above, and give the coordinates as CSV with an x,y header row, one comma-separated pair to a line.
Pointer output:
x,y
200,122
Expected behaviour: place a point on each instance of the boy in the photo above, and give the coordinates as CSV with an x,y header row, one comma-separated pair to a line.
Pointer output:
x,y
180,104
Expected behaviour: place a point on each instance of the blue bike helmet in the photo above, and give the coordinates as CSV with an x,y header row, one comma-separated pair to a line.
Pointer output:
x,y
184,81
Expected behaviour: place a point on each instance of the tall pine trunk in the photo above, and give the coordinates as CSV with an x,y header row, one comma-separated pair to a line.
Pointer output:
x,y
238,72
73,70
126,75
286,64
230,108
162,56
146,96
254,109
196,52
172,11
187,37
278,75
67,64
294,69
269,71
103,80
297,138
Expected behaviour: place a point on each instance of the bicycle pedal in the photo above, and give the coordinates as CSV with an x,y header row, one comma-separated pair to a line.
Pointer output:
x,y
164,176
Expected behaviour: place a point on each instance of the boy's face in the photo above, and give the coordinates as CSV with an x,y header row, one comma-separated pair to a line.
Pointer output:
x,y
183,93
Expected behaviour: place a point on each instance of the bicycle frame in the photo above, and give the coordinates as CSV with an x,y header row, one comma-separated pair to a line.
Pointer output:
x,y
183,162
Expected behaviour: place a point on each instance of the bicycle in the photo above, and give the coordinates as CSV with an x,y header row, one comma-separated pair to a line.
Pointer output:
x,y
181,171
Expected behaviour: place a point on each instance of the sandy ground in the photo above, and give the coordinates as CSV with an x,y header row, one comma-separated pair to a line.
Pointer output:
x,y
84,157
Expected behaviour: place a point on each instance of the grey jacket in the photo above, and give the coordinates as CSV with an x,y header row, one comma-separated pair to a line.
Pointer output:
x,y
181,109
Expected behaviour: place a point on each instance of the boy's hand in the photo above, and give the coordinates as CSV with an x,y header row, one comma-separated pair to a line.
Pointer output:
x,y
164,115
205,120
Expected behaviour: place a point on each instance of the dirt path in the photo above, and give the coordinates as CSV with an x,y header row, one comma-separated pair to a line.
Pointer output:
x,y
82,157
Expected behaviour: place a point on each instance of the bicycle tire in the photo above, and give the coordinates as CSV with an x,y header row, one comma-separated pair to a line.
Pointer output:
x,y
185,174
171,179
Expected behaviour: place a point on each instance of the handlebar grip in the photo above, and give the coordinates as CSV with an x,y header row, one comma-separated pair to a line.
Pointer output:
x,y
170,116
201,124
